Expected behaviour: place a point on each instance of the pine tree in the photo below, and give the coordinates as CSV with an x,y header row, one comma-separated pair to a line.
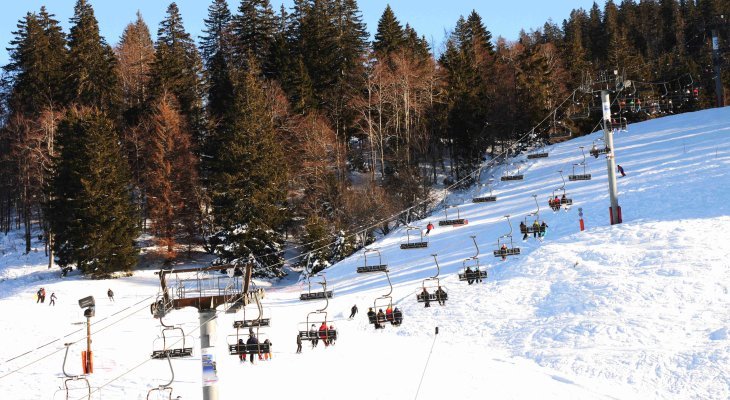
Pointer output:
x,y
389,36
171,178
253,31
248,180
177,69
90,71
91,211
135,53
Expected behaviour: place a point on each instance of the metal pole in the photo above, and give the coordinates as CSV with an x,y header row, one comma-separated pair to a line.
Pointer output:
x,y
718,68
208,327
88,345
610,158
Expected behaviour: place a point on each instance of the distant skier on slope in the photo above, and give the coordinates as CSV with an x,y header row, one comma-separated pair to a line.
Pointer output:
x,y
429,228
110,294
353,311
621,170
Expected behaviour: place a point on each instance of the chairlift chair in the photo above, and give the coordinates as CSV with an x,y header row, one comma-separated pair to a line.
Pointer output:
x,y
316,318
515,177
558,130
75,386
597,151
316,295
413,243
486,199
502,249
163,392
173,346
580,177
438,292
249,322
453,222
385,301
536,226
237,345
471,270
377,267
563,200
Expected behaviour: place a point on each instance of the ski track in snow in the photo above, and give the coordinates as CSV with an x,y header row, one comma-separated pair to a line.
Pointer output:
x,y
632,311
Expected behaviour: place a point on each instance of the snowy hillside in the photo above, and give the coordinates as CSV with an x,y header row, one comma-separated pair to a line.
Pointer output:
x,y
632,311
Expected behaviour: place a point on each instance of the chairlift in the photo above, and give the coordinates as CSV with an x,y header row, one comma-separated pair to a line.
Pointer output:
x,y
173,346
240,347
535,227
412,243
75,386
392,314
515,177
619,124
458,221
377,267
502,249
556,202
583,112
315,295
538,152
580,177
486,199
249,321
438,293
471,270
163,392
558,130
160,307
596,151
317,318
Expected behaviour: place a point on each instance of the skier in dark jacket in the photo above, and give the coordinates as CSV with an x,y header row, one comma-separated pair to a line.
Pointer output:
x,y
110,294
523,229
426,300
252,340
241,350
397,316
371,316
381,318
621,170
299,344
53,300
469,275
441,296
353,311
543,229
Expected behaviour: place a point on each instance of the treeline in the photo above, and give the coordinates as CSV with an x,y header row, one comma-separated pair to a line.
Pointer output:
x,y
288,122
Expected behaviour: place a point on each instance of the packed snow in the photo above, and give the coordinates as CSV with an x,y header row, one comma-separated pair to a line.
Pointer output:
x,y
631,311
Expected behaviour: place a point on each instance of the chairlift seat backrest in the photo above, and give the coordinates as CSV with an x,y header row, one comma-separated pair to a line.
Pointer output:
x,y
316,334
413,245
316,295
484,199
454,222
372,268
579,177
249,348
476,274
172,353
252,323
507,252
512,177
537,155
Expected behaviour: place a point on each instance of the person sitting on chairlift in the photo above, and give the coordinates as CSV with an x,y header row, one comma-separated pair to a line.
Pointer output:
x,y
397,316
252,343
543,229
299,344
469,275
426,300
523,229
536,227
389,314
503,251
371,316
564,199
241,350
331,334
556,204
313,335
267,355
381,318
441,296
323,334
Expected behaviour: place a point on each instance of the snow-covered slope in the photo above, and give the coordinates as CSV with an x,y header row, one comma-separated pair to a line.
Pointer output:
x,y
632,311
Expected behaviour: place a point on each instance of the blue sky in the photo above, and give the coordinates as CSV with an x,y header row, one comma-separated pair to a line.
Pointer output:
x,y
431,18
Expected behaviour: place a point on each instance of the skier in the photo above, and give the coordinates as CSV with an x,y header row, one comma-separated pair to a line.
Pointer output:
x,y
556,204
53,299
110,294
38,296
353,311
441,296
299,344
268,355
469,275
621,170
503,251
426,300
536,228
429,227
389,314
543,229
563,200
43,295
241,350
252,343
